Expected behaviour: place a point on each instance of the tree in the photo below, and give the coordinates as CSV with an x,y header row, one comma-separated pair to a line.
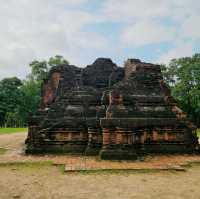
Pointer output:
x,y
183,75
57,60
39,70
32,85
13,119
20,99
10,98
31,90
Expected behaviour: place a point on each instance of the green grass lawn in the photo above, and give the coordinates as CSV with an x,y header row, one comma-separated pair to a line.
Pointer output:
x,y
12,130
2,151
198,133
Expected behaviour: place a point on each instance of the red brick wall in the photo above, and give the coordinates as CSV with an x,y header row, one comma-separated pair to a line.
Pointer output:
x,y
49,89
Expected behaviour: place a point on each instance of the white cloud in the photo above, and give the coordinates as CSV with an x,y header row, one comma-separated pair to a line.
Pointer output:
x,y
42,28
191,28
137,9
156,21
39,29
130,10
181,50
147,32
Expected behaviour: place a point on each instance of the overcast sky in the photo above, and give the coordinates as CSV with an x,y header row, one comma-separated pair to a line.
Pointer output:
x,y
82,30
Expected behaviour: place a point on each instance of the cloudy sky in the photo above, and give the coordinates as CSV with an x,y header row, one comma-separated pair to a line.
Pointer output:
x,y
82,30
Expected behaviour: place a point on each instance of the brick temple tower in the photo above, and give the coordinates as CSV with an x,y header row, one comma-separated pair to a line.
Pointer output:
x,y
106,110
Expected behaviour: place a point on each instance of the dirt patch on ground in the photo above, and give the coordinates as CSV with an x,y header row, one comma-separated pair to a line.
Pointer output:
x,y
48,182
14,144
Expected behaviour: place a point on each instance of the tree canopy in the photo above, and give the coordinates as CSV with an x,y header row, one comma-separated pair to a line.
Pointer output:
x,y
10,100
20,99
57,60
183,76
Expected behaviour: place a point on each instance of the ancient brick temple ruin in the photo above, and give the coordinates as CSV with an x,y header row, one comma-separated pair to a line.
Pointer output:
x,y
106,110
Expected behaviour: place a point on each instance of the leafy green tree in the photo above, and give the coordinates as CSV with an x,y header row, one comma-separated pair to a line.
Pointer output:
x,y
39,70
57,60
169,73
31,90
10,97
183,75
20,99
13,119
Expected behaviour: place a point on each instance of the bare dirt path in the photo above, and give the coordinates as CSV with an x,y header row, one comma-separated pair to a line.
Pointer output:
x,y
14,143
48,182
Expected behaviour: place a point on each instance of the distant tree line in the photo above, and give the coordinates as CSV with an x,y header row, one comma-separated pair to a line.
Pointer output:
x,y
20,99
